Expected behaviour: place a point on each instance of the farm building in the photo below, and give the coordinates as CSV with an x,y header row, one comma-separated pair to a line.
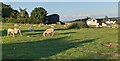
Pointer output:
x,y
92,21
96,22
51,19
99,22
112,20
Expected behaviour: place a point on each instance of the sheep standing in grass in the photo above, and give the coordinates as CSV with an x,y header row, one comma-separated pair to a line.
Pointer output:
x,y
48,32
13,31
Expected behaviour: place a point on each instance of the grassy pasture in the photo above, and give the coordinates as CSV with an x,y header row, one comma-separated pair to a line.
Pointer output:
x,y
82,43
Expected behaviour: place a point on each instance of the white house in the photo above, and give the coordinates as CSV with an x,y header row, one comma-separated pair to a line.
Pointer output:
x,y
99,22
110,22
92,21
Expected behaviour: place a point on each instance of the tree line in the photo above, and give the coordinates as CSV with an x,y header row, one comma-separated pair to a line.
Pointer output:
x,y
10,15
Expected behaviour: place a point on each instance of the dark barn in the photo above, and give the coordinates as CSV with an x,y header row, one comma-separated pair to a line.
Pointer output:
x,y
52,19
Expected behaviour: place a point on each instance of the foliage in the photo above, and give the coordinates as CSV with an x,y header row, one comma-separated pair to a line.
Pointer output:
x,y
6,10
10,15
38,15
87,18
18,20
23,13
22,20
9,20
105,19
14,14
77,25
118,22
4,32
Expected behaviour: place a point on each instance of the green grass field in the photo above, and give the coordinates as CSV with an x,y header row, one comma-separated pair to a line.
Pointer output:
x,y
85,43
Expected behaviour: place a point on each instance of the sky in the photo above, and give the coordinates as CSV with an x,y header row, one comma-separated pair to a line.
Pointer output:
x,y
71,10
59,0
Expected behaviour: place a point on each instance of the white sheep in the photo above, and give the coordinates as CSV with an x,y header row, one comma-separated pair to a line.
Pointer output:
x,y
49,31
13,31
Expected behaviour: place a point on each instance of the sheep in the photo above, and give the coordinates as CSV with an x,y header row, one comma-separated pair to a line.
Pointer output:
x,y
13,31
67,24
15,25
52,25
49,31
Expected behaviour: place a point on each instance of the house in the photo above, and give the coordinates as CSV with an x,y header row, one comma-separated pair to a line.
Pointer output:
x,y
100,23
95,22
92,21
112,20
52,19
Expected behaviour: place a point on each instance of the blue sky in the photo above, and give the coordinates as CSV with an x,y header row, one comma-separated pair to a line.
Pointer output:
x,y
59,0
72,10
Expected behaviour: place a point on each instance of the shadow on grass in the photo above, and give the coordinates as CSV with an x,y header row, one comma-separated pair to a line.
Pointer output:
x,y
62,29
41,31
38,33
39,49
44,30
68,33
34,31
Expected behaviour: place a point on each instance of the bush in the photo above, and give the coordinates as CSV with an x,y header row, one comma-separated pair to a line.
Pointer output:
x,y
77,25
3,32
118,22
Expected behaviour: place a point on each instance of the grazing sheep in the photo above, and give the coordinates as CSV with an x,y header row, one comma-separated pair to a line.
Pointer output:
x,y
34,25
15,24
67,24
52,25
48,32
13,31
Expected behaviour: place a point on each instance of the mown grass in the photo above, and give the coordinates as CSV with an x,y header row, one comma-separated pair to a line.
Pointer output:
x,y
65,44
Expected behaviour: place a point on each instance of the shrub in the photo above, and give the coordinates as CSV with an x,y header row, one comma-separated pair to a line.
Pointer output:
x,y
118,22
77,25
3,32
10,20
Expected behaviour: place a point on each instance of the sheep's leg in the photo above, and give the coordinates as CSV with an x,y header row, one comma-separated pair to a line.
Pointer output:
x,y
13,34
20,32
44,34
47,34
52,33
10,34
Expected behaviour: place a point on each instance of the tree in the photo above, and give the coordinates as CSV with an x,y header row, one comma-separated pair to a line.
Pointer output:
x,y
6,10
105,19
14,14
38,15
22,16
23,13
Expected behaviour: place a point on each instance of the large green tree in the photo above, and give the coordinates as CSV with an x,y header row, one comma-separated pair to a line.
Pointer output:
x,y
6,10
38,15
23,13
22,16
14,14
